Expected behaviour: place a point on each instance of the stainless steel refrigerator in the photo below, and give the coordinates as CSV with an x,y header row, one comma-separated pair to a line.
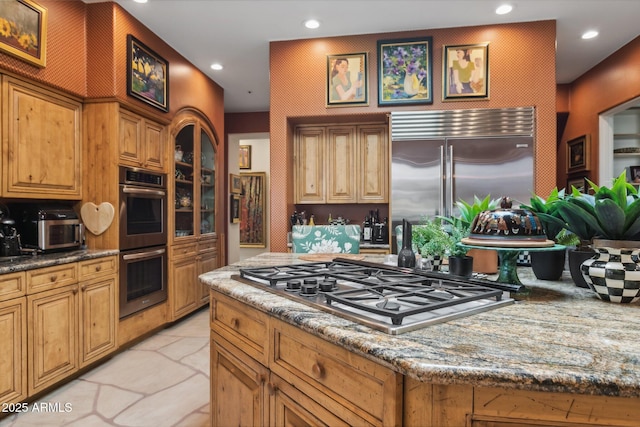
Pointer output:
x,y
441,157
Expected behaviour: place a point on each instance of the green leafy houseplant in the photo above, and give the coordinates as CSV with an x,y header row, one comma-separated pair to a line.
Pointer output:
x,y
430,239
611,213
547,210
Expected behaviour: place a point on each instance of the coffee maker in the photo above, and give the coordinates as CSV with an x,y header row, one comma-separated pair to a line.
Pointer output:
x,y
9,237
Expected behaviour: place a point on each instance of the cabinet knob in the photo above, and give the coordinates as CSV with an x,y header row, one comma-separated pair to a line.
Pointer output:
x,y
318,370
98,267
53,277
272,388
235,322
75,290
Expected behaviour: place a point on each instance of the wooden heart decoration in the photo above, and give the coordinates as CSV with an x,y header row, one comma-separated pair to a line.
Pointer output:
x,y
97,218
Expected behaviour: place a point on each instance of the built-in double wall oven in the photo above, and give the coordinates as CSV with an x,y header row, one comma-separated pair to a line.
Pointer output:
x,y
143,239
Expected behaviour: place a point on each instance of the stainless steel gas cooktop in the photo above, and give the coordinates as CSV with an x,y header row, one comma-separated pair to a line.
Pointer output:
x,y
385,298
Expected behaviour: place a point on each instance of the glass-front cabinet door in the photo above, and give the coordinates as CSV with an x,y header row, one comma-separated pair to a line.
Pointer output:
x,y
195,182
207,184
184,182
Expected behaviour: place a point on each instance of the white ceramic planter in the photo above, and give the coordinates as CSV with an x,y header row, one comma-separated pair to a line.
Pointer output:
x,y
614,274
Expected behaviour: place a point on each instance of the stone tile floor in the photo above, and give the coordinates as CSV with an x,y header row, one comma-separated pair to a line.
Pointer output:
x,y
161,381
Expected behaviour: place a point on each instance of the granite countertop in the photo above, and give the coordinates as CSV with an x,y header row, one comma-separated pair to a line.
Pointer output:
x,y
31,262
557,338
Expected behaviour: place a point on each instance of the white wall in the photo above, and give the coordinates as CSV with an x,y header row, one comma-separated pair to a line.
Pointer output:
x,y
260,162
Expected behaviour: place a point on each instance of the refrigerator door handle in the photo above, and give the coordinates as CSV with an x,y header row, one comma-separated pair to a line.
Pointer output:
x,y
450,186
442,180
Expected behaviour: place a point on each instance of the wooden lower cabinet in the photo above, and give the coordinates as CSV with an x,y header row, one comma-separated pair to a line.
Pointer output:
x,y
268,372
187,262
239,383
52,336
67,320
13,350
298,379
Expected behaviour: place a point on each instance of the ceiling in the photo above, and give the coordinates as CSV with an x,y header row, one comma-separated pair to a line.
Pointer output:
x,y
236,33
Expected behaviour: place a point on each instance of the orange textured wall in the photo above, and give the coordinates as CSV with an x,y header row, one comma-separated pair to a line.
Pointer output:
x,y
522,73
612,82
66,67
86,57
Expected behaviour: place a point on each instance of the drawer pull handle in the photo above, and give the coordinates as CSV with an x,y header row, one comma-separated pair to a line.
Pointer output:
x,y
317,370
53,277
235,323
98,267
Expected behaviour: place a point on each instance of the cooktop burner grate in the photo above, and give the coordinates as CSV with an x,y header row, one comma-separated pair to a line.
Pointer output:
x,y
386,298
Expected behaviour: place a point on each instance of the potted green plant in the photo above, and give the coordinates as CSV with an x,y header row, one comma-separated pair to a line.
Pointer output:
x,y
549,265
460,263
431,241
611,218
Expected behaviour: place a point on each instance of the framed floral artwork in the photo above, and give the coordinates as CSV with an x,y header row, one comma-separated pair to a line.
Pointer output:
x,y
147,75
465,73
405,71
23,31
347,80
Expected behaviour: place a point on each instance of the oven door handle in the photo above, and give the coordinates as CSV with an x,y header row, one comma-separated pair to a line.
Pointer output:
x,y
142,255
137,190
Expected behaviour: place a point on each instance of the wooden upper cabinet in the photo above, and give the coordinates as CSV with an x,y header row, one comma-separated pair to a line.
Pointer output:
x,y
41,142
141,142
373,173
309,165
341,164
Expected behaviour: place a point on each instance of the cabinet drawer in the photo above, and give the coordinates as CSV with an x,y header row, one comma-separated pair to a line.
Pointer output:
x,y
246,329
311,364
98,267
47,278
183,251
13,285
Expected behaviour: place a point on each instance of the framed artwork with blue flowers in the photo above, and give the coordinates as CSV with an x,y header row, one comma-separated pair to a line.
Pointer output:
x,y
405,71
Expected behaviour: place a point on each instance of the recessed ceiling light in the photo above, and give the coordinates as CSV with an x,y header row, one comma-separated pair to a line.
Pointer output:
x,y
216,67
312,24
140,1
590,34
504,9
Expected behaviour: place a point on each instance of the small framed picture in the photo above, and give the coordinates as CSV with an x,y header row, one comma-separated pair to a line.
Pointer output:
x,y
405,71
465,73
347,80
578,154
244,157
634,174
235,184
234,209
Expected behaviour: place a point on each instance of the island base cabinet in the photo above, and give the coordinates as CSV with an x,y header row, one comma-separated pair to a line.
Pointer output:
x,y
494,407
290,407
238,387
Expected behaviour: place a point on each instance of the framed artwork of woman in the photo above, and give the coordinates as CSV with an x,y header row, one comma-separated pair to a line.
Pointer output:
x,y
465,72
347,80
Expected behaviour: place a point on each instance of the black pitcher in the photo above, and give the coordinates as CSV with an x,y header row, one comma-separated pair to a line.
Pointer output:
x,y
406,256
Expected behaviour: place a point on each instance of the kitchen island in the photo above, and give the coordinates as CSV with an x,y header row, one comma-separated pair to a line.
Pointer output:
x,y
558,356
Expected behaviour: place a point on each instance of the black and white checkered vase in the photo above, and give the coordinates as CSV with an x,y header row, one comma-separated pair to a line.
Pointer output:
x,y
614,274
